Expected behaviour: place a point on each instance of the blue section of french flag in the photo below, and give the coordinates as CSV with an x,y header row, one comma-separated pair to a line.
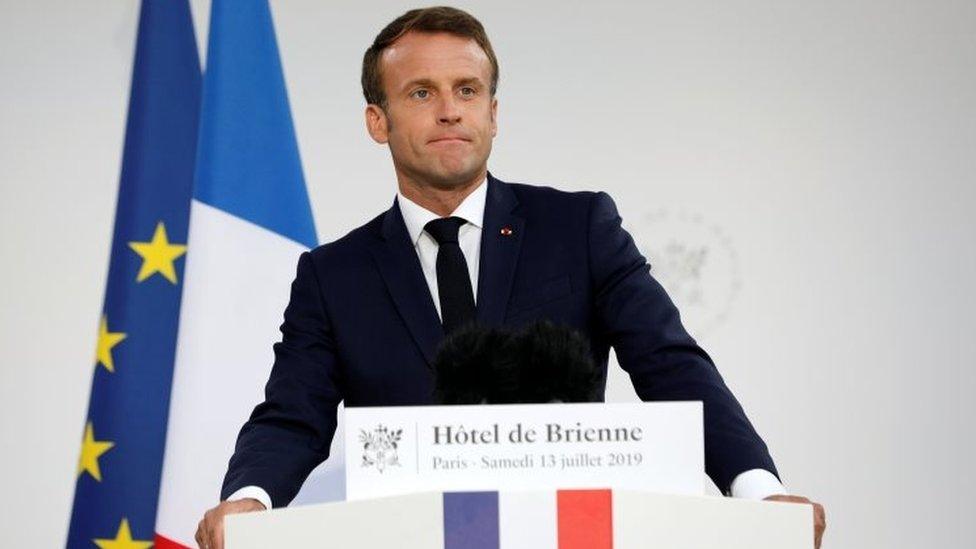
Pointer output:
x,y
248,163
471,520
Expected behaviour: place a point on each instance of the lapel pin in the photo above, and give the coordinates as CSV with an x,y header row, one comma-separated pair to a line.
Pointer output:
x,y
506,231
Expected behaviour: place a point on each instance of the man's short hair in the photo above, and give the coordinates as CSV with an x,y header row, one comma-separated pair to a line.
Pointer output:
x,y
435,19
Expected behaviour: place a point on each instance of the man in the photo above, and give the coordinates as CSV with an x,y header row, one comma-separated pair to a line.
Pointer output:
x,y
367,311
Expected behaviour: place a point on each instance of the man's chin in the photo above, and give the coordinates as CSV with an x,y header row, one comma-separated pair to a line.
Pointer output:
x,y
455,179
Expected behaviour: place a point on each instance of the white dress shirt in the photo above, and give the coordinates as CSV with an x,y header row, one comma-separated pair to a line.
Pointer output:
x,y
752,484
416,217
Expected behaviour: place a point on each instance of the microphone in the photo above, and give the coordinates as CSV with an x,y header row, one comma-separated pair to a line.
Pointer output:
x,y
543,362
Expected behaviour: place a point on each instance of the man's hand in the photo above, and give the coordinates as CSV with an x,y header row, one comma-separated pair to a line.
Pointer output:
x,y
819,518
210,532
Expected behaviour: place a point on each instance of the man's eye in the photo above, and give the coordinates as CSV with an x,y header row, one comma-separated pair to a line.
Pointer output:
x,y
467,92
420,94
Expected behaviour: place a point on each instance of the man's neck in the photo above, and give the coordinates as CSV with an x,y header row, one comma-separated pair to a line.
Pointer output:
x,y
436,199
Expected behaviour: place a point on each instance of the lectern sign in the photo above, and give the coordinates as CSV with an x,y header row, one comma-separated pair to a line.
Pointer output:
x,y
641,446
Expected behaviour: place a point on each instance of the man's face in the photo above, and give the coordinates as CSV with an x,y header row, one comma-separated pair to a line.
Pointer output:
x,y
439,119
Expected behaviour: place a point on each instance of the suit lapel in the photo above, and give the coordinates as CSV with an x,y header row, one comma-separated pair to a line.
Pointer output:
x,y
400,267
501,240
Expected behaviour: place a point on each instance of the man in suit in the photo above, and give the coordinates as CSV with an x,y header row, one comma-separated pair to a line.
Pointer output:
x,y
368,311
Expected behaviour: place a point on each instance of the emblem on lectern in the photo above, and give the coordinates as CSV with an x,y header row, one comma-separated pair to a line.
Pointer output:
x,y
380,447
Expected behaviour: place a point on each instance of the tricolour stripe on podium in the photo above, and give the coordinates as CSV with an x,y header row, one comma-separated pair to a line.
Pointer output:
x,y
527,519
471,520
573,519
585,519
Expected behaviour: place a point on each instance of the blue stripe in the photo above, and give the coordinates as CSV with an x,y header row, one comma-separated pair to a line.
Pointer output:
x,y
471,520
248,163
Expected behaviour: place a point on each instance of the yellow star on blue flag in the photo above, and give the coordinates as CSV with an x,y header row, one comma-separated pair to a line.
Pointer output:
x,y
107,340
91,450
123,539
158,255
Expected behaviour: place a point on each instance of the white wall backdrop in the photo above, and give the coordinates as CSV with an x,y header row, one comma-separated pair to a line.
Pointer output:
x,y
800,174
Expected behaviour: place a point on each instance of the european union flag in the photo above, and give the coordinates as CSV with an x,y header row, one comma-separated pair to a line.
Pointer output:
x,y
118,478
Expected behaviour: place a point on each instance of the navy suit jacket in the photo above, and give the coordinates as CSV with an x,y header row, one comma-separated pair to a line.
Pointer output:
x,y
361,327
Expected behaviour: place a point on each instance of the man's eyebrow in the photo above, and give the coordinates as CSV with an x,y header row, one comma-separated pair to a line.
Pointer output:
x,y
428,83
424,82
470,81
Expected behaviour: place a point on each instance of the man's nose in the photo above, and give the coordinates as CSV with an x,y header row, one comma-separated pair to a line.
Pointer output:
x,y
448,110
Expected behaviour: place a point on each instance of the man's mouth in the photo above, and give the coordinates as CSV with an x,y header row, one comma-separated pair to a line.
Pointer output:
x,y
448,139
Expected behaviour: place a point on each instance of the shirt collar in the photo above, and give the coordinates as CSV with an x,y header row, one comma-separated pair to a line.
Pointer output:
x,y
471,209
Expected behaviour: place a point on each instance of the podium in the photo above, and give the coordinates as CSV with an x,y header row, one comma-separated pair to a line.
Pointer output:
x,y
553,519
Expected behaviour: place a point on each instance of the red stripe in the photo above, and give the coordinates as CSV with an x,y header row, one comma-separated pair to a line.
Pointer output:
x,y
163,543
585,519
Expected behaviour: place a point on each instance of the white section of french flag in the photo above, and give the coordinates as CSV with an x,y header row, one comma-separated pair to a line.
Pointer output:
x,y
236,282
527,520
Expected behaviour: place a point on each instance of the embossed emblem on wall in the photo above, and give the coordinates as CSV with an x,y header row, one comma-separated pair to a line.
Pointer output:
x,y
695,261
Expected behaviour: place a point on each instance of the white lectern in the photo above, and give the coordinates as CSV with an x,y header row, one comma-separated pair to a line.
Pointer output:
x,y
556,519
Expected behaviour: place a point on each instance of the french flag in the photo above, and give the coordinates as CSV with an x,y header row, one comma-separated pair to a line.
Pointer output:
x,y
250,220
562,519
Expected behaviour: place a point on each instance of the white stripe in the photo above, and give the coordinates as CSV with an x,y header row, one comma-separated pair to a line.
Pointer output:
x,y
527,520
236,285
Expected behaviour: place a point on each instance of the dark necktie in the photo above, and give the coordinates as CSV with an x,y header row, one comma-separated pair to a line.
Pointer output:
x,y
453,282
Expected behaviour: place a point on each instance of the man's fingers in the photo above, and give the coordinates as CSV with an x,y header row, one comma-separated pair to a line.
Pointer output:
x,y
218,534
819,524
796,499
819,516
208,530
199,535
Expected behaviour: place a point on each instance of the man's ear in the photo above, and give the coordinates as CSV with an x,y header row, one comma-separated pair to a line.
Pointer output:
x,y
376,124
494,116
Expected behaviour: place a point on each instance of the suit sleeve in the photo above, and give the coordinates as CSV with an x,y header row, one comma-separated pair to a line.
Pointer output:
x,y
638,319
289,433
